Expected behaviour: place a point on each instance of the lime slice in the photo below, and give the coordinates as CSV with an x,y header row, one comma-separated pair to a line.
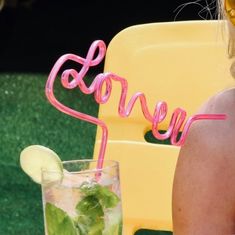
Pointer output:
x,y
34,158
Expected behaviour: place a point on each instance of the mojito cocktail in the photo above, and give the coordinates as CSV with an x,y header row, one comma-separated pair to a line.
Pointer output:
x,y
79,198
85,201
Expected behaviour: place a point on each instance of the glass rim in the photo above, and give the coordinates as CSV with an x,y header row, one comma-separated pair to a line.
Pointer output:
x,y
113,164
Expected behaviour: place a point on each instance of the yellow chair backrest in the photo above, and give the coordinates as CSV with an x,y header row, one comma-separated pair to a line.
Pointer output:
x,y
182,63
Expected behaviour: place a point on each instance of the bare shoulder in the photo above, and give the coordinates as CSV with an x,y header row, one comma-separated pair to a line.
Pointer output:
x,y
213,132
210,145
224,101
204,182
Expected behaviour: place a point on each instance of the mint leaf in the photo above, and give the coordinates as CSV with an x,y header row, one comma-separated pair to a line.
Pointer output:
x,y
97,228
58,221
95,198
89,226
90,206
106,197
90,220
83,223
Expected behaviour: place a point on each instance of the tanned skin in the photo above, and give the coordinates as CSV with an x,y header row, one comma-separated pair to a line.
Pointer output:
x,y
204,183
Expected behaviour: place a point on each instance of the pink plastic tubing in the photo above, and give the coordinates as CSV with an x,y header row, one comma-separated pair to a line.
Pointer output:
x,y
71,79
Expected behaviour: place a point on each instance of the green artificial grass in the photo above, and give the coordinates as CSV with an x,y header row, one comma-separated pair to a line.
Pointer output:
x,y
28,118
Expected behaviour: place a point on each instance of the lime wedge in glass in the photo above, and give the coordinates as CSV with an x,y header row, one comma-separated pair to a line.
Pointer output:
x,y
35,158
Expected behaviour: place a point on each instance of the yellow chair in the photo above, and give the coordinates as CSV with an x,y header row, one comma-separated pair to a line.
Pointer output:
x,y
182,63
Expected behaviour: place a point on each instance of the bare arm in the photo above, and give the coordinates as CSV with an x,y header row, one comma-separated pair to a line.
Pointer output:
x,y
204,184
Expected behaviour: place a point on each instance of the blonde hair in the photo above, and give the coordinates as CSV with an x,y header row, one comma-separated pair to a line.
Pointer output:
x,y
229,16
227,12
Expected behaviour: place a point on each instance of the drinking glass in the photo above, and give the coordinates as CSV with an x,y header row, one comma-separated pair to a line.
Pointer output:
x,y
83,200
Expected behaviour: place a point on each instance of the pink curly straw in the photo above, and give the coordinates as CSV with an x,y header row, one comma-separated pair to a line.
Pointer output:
x,y
104,80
